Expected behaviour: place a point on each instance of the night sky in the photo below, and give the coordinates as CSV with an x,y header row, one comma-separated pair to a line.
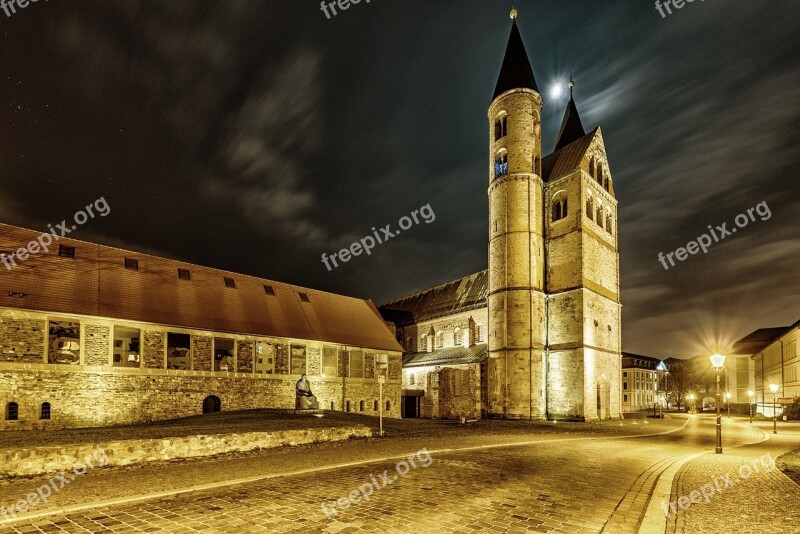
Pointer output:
x,y
253,136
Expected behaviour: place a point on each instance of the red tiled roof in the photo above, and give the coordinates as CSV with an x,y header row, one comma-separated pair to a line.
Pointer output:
x,y
96,283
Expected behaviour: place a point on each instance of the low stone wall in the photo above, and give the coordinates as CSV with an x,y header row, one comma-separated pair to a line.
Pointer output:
x,y
39,460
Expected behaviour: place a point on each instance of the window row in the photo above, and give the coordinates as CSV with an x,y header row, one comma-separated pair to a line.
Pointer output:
x,y
271,357
596,172
599,216
501,164
501,126
436,340
12,411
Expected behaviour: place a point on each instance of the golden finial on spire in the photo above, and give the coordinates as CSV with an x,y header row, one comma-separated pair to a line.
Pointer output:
x,y
571,84
514,11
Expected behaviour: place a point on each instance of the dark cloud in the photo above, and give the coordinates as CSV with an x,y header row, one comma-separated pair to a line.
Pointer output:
x,y
256,135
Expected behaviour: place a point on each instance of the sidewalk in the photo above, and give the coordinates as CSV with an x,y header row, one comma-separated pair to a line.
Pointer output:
x,y
748,490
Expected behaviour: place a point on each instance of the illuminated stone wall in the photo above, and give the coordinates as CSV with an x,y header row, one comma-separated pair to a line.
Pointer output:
x,y
94,393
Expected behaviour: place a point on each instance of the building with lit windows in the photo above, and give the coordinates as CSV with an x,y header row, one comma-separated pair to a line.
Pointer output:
x,y
642,380
773,355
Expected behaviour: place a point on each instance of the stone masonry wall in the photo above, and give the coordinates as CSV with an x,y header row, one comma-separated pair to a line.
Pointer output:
x,y
153,349
244,356
97,344
202,353
85,399
21,340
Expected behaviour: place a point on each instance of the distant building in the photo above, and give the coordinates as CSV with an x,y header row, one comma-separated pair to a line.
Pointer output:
x,y
774,357
642,382
92,335
537,335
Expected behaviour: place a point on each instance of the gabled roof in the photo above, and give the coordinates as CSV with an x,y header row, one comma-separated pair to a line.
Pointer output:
x,y
568,158
516,72
463,294
96,283
448,356
571,126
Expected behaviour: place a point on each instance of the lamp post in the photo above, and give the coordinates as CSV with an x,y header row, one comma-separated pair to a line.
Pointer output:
x,y
718,363
692,408
774,389
750,402
728,402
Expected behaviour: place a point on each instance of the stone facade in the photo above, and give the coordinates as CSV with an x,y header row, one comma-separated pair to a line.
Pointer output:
x,y
98,392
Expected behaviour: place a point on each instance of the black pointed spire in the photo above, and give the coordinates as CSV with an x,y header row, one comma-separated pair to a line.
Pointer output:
x,y
516,72
571,126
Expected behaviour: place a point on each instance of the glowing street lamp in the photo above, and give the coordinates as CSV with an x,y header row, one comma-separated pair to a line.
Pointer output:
x,y
718,363
774,389
728,402
750,402
693,408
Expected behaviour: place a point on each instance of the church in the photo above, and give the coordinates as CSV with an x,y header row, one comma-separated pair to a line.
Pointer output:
x,y
538,334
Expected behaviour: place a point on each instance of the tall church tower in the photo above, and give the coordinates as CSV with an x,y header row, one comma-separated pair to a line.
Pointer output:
x,y
516,299
553,301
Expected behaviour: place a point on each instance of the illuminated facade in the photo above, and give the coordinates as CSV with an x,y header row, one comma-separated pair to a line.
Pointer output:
x,y
550,313
95,336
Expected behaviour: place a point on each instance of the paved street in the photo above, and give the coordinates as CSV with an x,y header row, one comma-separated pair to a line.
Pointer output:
x,y
563,483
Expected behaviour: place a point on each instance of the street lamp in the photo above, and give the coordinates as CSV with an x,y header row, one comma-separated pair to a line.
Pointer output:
x,y
692,409
774,389
750,402
728,402
718,362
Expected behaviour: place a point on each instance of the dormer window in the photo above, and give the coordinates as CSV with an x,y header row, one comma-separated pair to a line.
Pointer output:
x,y
230,282
66,252
184,274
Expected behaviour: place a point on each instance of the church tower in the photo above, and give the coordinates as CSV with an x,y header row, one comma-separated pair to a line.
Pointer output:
x,y
516,300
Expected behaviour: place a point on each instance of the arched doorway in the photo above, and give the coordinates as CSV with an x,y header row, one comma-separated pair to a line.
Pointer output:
x,y
211,404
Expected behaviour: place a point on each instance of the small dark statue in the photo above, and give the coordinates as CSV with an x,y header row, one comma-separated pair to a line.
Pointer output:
x,y
304,399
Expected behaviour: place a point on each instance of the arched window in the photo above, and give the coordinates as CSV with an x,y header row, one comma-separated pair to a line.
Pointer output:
x,y
347,406
605,184
423,343
565,208
589,208
556,211
501,164
375,405
458,337
608,224
388,405
500,127
537,125
439,340
361,406
599,173
45,412
599,218
12,411
411,379
479,333
333,406
591,167
212,404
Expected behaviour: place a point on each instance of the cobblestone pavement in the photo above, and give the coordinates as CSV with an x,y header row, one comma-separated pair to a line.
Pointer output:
x,y
749,493
568,485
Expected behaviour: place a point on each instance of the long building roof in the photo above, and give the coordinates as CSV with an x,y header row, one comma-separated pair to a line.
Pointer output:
x,y
463,294
96,282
